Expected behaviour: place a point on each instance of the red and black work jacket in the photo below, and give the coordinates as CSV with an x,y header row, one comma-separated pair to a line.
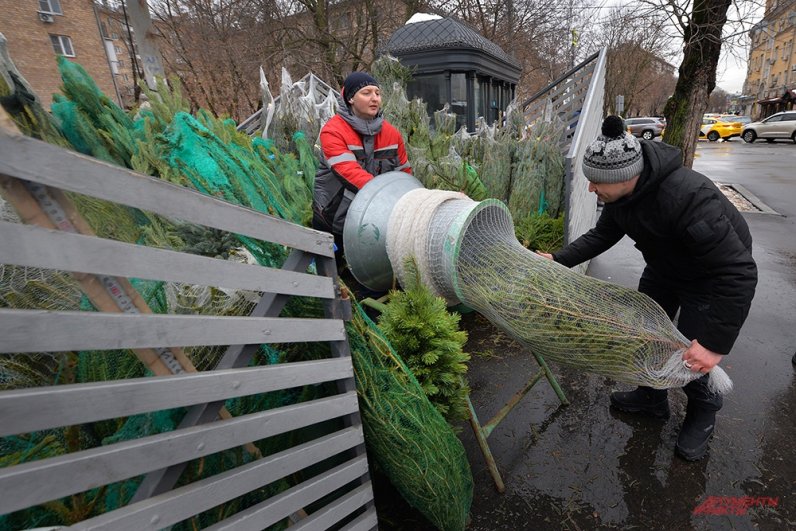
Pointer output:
x,y
354,151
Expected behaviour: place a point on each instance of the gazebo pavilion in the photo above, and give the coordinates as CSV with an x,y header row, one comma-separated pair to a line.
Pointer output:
x,y
454,64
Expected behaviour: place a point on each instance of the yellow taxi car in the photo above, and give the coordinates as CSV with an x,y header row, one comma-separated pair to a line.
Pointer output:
x,y
722,127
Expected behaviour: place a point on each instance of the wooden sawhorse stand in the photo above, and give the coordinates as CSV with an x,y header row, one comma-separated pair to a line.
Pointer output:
x,y
483,431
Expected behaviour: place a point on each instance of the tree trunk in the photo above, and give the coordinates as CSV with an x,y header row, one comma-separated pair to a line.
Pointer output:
x,y
697,79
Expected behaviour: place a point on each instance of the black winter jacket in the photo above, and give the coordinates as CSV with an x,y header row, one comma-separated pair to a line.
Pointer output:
x,y
690,235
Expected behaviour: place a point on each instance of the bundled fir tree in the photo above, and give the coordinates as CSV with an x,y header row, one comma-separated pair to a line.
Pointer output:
x,y
540,232
429,340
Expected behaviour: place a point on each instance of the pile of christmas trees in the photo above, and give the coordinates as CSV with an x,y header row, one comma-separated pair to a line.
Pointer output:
x,y
513,161
405,432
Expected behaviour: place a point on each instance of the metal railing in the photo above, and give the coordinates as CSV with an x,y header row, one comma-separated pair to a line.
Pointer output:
x,y
33,178
576,99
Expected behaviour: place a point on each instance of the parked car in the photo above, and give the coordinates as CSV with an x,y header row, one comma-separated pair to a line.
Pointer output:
x,y
715,128
779,125
645,127
743,120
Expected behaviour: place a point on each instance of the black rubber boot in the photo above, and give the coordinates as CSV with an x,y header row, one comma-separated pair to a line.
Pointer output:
x,y
700,420
645,400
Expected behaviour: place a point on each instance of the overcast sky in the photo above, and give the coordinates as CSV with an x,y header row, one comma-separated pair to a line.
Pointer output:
x,y
731,70
731,74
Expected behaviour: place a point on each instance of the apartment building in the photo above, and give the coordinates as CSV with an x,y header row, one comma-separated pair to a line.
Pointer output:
x,y
39,30
771,71
119,40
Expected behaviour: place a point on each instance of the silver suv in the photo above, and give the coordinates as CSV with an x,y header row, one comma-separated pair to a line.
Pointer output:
x,y
780,125
645,127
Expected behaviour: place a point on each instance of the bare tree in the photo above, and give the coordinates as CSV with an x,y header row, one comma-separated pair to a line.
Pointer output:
x,y
719,101
543,35
215,47
637,66
704,27
332,39
658,94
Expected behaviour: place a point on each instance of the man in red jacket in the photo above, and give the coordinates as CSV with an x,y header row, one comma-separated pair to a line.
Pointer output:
x,y
357,144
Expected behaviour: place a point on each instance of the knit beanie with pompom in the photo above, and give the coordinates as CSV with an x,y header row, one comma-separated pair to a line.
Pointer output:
x,y
615,156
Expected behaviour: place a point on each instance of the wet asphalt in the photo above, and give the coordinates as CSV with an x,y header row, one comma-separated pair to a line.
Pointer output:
x,y
585,466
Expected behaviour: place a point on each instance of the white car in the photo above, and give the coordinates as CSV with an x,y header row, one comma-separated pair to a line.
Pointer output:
x,y
780,125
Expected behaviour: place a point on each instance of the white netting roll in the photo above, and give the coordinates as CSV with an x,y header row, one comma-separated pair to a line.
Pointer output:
x,y
408,231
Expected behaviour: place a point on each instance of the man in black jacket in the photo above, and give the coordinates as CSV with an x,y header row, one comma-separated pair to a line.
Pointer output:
x,y
698,254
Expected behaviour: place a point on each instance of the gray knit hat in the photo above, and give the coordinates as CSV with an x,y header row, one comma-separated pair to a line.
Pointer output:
x,y
615,156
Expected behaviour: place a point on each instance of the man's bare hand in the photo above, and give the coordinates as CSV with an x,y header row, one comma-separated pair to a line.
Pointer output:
x,y
699,359
546,255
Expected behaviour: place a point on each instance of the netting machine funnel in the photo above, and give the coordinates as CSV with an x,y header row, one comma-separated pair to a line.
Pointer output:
x,y
372,215
448,231
365,229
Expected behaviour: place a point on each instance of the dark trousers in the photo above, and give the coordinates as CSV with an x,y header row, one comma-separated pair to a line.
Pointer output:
x,y
692,301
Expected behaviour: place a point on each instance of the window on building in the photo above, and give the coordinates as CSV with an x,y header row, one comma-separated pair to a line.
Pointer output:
x,y
117,49
459,99
120,63
432,89
62,45
50,6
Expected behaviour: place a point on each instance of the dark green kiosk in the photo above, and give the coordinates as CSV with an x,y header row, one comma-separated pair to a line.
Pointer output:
x,y
452,63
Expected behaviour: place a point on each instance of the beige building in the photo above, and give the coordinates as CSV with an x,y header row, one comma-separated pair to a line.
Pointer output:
x,y
39,30
771,72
